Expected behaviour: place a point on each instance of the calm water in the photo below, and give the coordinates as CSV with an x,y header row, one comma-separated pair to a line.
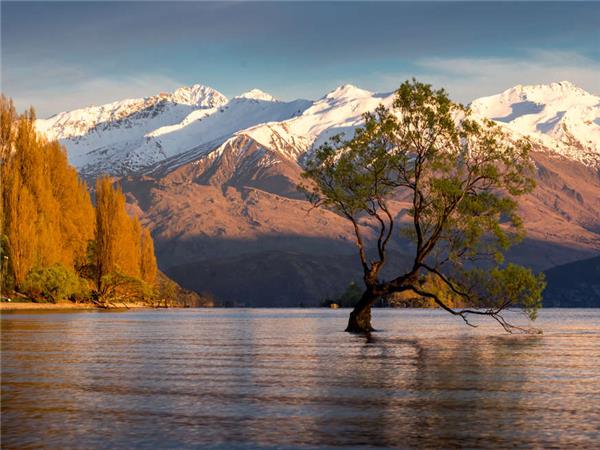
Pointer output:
x,y
291,378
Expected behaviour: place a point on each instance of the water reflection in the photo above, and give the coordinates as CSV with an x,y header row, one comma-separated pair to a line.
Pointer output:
x,y
252,378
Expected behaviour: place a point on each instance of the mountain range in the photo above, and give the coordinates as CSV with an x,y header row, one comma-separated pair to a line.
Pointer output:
x,y
216,181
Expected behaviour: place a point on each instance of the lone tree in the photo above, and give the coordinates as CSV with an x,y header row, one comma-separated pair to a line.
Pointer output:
x,y
460,176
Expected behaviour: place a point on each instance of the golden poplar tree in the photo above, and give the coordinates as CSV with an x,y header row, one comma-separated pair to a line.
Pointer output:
x,y
106,229
8,120
20,217
30,159
76,221
148,259
132,263
118,236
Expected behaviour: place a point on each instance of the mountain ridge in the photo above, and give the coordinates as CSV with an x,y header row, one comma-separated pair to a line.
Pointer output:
x,y
134,134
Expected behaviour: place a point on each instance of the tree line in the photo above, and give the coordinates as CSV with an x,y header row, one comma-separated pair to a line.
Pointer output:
x,y
55,244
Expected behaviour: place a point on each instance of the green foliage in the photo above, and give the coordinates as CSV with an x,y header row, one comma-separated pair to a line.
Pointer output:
x,y
120,287
513,286
349,175
462,177
54,283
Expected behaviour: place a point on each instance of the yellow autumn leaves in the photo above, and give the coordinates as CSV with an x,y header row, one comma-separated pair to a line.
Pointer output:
x,y
47,219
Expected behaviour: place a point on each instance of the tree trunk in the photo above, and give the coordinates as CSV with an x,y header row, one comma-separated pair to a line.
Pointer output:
x,y
360,317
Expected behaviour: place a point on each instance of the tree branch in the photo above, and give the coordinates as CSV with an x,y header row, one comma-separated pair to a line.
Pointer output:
x,y
446,281
359,244
441,304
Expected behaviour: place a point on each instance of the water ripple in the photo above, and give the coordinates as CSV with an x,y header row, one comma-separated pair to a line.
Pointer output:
x,y
290,378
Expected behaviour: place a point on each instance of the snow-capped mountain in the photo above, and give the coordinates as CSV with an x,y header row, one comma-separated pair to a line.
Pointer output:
x,y
129,135
112,137
340,111
135,134
203,131
129,113
559,116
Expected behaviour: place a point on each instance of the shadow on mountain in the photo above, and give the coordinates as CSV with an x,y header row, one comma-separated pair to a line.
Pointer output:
x,y
271,270
271,278
521,109
574,285
288,270
542,255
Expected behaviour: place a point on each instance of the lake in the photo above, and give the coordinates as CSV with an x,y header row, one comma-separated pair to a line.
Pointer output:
x,y
289,378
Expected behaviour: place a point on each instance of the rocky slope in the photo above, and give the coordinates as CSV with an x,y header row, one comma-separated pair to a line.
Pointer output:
x,y
218,185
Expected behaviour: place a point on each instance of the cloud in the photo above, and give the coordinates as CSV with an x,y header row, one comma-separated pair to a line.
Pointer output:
x,y
470,78
64,88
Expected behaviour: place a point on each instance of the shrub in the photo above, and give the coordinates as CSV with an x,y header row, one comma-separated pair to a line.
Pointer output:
x,y
54,283
117,286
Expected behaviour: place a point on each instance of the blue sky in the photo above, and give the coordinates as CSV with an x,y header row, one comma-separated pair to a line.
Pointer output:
x,y
59,56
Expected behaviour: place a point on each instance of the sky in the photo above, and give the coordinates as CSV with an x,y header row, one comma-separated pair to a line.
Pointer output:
x,y
59,56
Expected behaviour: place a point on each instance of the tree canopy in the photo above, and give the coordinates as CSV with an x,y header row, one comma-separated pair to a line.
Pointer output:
x,y
461,178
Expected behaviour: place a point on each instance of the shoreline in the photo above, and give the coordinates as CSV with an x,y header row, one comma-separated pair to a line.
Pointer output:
x,y
32,306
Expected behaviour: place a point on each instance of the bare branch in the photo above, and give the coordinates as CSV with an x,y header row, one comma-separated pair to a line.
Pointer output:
x,y
385,209
360,244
